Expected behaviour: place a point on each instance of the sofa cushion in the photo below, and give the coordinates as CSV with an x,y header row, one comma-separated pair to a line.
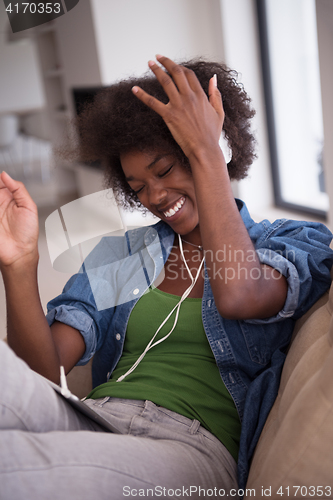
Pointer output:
x,y
295,447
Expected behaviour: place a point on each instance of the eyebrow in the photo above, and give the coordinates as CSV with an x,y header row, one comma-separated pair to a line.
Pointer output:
x,y
148,167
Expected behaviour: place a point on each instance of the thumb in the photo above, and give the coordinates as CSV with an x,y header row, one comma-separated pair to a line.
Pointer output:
x,y
17,190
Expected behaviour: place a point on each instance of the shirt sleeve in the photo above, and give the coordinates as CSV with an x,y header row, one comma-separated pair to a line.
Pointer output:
x,y
301,252
76,307
81,304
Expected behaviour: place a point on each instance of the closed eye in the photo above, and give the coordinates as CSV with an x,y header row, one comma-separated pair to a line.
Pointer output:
x,y
165,172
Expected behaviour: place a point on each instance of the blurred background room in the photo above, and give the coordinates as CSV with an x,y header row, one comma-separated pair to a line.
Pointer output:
x,y
282,50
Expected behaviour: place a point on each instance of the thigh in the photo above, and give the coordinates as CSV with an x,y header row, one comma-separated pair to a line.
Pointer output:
x,y
27,402
86,465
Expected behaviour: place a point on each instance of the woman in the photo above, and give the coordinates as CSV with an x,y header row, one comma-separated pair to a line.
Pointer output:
x,y
206,297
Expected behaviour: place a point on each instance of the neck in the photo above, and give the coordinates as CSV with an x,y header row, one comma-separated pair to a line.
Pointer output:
x,y
193,238
199,247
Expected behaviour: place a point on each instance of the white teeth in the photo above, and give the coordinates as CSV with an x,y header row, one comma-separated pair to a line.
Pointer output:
x,y
175,209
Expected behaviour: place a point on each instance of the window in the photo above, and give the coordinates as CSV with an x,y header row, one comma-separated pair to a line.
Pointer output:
x,y
289,49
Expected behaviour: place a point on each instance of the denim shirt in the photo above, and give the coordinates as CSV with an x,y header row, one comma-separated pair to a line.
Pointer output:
x,y
250,354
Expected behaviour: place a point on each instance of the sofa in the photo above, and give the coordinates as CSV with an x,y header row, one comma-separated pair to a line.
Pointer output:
x,y
294,455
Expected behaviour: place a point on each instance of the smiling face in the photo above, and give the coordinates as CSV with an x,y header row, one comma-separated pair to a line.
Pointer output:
x,y
166,188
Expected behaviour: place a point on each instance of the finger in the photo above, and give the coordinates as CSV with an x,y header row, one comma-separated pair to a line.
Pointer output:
x,y
149,100
193,80
165,80
176,71
18,191
215,97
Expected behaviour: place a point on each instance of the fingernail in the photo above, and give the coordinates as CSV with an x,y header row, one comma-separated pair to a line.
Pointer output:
x,y
158,56
151,63
215,80
135,89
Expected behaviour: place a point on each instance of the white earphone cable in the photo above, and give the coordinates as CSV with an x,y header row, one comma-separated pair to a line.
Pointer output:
x,y
177,306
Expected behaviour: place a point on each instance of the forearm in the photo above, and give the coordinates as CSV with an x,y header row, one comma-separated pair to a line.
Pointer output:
x,y
29,334
242,287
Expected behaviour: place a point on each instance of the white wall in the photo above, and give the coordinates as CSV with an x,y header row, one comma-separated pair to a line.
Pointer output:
x,y
20,83
78,50
129,33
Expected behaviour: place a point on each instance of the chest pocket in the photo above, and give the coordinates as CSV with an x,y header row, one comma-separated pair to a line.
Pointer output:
x,y
256,342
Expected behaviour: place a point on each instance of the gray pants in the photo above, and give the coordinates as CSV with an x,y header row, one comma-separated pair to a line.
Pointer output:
x,y
49,451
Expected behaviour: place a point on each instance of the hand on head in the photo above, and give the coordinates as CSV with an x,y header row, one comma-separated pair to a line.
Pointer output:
x,y
194,121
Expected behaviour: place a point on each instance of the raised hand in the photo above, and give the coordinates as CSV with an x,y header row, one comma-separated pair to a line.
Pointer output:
x,y
194,120
18,223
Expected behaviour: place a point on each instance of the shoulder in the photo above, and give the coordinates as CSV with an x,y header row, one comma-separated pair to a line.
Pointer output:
x,y
300,251
288,229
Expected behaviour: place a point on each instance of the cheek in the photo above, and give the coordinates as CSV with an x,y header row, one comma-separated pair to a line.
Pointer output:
x,y
143,200
191,190
185,179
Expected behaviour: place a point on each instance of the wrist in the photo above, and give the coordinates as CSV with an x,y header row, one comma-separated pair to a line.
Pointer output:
x,y
22,265
208,157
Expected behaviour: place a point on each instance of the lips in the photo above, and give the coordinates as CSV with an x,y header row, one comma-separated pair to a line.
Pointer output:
x,y
174,208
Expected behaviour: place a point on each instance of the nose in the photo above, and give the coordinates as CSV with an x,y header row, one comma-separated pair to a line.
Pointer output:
x,y
157,193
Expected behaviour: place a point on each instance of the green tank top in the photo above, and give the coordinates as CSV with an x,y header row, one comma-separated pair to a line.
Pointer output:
x,y
180,373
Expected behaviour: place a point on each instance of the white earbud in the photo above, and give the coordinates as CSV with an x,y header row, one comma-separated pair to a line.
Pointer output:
x,y
223,143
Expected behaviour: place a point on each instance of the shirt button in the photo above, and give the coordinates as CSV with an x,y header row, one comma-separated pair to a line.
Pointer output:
x,y
118,336
136,291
